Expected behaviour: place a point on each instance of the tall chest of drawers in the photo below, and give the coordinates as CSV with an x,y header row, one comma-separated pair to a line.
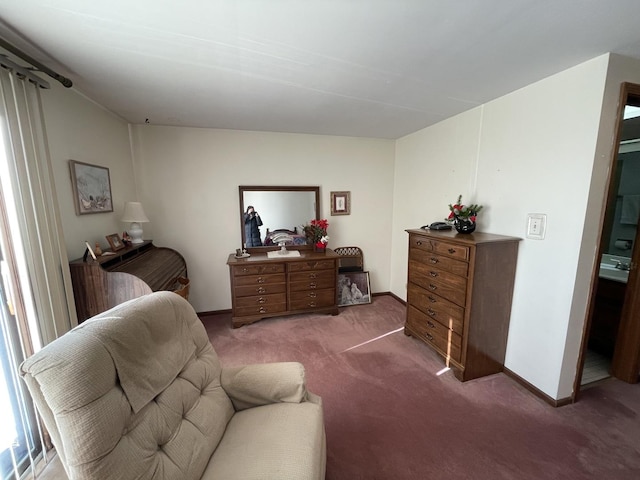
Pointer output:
x,y
459,293
263,287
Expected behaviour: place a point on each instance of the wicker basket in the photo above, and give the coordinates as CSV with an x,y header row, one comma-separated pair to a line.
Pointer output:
x,y
182,286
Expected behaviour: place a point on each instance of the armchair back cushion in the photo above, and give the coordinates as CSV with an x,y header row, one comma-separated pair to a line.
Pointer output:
x,y
159,421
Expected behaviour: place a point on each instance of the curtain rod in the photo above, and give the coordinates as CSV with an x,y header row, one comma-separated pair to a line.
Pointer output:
x,y
42,68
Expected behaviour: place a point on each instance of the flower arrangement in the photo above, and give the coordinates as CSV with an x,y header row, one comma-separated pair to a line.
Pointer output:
x,y
466,212
316,232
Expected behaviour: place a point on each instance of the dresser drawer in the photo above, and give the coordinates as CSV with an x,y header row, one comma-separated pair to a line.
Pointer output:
x,y
312,265
438,246
442,339
442,262
447,285
257,269
316,284
259,279
312,299
260,310
261,300
447,313
260,289
311,275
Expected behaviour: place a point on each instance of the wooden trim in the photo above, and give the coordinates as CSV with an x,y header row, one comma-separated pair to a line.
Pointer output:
x,y
214,312
536,391
379,294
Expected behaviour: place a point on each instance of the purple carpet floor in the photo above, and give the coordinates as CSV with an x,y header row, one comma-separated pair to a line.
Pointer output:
x,y
392,413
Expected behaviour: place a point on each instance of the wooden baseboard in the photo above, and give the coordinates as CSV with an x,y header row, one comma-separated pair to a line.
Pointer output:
x,y
379,294
536,391
213,312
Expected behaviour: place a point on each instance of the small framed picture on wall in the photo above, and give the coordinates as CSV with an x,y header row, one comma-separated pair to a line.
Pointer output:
x,y
340,203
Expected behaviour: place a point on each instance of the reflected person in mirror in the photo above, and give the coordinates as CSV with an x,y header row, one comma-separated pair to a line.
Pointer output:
x,y
252,223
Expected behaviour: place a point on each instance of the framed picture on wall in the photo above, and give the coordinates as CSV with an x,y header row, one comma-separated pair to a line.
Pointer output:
x,y
91,188
353,288
340,203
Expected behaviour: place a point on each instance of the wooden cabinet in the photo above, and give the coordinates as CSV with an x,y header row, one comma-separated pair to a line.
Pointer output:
x,y
607,312
263,287
459,293
101,284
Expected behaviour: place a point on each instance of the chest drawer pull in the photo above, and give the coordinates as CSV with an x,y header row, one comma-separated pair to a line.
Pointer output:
x,y
430,324
261,290
452,251
260,279
313,294
432,287
262,300
431,313
431,299
245,270
312,304
313,285
433,260
262,310
429,336
419,242
433,274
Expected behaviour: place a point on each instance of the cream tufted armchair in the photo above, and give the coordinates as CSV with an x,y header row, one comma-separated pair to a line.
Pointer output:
x,y
137,392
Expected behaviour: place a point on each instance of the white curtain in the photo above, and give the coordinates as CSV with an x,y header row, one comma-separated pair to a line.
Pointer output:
x,y
30,181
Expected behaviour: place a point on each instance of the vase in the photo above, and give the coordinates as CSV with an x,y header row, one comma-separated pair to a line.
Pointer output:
x,y
318,249
464,225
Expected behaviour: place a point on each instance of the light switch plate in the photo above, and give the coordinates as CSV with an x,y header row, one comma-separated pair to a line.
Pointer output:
x,y
536,226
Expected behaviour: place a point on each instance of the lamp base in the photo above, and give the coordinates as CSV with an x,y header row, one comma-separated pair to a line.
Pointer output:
x,y
135,232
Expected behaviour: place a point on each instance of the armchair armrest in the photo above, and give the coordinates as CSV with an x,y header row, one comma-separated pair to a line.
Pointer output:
x,y
262,384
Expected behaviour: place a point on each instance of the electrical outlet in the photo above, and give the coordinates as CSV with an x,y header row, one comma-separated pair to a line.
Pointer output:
x,y
536,226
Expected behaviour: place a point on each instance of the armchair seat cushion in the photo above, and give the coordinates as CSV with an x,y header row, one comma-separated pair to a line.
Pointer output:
x,y
273,442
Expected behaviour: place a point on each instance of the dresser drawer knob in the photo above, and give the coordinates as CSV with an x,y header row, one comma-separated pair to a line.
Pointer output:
x,y
261,290
313,285
432,287
431,313
262,310
431,299
260,280
312,304
433,274
313,294
419,243
452,251
433,260
429,336
430,324
262,300
245,270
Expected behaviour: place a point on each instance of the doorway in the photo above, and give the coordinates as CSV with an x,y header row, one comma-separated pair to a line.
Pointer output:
x,y
611,344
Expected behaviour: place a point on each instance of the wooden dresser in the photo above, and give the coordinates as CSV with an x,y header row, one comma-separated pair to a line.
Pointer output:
x,y
263,287
459,293
101,284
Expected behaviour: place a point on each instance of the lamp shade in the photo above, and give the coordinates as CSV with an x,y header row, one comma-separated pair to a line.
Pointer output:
x,y
133,212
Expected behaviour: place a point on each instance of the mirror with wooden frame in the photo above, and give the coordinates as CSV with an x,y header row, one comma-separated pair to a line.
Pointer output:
x,y
275,215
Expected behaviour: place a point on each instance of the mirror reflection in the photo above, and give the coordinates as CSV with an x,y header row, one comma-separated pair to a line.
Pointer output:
x,y
272,216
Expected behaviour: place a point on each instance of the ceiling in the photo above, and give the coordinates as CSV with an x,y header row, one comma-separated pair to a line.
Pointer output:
x,y
368,68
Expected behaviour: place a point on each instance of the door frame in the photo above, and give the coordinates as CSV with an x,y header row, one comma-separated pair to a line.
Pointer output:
x,y
626,357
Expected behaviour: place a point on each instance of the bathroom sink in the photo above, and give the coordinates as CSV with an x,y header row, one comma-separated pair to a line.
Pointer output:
x,y
610,272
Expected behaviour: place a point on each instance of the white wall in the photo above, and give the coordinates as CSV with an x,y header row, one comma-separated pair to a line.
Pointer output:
x,y
528,152
78,129
188,181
